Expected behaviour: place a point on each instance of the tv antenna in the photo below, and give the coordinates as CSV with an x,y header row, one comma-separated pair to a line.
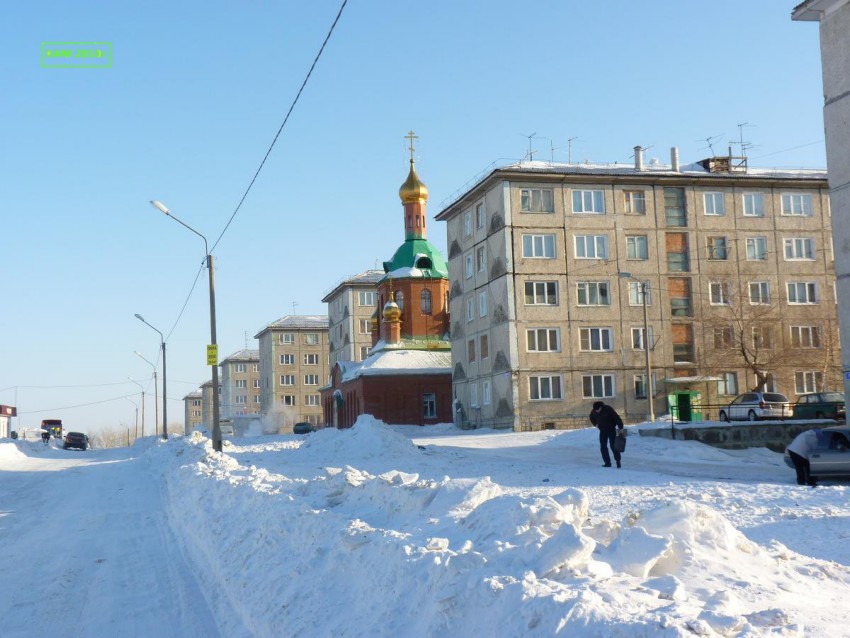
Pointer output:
x,y
530,155
570,150
744,145
294,303
710,142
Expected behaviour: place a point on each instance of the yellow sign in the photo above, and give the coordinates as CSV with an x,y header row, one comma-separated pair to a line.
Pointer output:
x,y
212,355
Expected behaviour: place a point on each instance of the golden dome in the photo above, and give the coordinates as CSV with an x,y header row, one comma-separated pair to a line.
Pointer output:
x,y
391,311
413,190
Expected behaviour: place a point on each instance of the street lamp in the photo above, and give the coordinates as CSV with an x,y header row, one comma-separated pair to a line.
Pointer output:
x,y
164,402
135,405
212,352
646,342
155,394
142,388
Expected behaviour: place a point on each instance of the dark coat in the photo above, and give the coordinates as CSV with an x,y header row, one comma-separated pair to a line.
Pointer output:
x,y
606,419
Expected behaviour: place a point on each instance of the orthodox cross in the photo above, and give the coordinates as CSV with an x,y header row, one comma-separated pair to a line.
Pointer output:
x,y
410,136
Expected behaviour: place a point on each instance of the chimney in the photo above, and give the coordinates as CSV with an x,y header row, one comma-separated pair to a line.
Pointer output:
x,y
638,158
674,158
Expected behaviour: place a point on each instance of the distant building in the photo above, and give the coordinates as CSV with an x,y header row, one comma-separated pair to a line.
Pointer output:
x,y
293,358
192,410
240,384
6,414
406,379
351,304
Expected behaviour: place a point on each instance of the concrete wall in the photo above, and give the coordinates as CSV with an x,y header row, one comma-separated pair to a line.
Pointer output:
x,y
773,435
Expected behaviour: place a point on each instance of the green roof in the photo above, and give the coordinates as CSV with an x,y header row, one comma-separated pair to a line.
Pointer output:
x,y
417,258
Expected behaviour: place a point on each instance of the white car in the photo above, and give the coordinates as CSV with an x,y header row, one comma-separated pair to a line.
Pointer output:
x,y
753,406
226,429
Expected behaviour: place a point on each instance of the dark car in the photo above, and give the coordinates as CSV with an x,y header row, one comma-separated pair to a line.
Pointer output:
x,y
753,406
75,439
820,405
302,428
830,458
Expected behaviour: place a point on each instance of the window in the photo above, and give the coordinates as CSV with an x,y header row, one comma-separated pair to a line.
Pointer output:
x,y
311,338
255,367
240,367
759,292
241,399
597,386
311,359
805,336
311,399
287,359
802,292
287,338
311,379
724,338
717,248
635,202
638,342
588,201
640,386
762,337
480,216
480,260
468,266
799,248
591,246
756,248
593,293
399,300
728,384
482,304
256,383
470,350
287,379
196,413
636,289
241,383
542,340
808,381
365,326
797,204
715,204
541,293
365,351
470,309
753,204
473,395
719,293
366,298
429,405
425,301
288,399
674,207
636,247
595,339
486,393
196,402
537,200
547,388
467,223
538,246
257,399
484,346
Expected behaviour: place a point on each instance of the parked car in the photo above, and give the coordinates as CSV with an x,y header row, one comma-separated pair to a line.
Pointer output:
x,y
831,456
820,405
75,439
302,428
753,406
226,429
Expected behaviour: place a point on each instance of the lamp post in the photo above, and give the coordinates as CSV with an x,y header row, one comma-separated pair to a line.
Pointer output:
x,y
646,343
211,360
135,405
164,380
155,394
142,388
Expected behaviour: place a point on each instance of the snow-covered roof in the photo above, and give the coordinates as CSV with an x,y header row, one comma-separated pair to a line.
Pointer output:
x,y
243,355
367,279
194,394
296,322
400,362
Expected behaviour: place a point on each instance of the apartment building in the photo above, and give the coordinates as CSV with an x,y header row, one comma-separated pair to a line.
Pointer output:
x,y
240,384
192,410
351,306
293,357
549,262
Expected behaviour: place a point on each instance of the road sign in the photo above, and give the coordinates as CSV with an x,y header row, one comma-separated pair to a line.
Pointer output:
x,y
212,355
847,376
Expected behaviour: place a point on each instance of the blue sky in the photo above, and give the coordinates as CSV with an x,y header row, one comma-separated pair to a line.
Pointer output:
x,y
197,91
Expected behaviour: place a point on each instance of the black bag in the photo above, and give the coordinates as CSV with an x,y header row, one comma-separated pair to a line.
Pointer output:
x,y
620,443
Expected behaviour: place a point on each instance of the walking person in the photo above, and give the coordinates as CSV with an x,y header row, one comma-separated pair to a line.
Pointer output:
x,y
45,436
799,450
608,421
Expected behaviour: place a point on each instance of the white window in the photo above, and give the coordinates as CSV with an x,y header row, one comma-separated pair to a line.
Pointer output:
x,y
367,298
719,293
759,292
808,381
543,340
715,204
365,326
635,202
473,395
311,399
241,399
311,338
256,383
597,386
638,342
468,266
797,204
640,386
595,339
756,248
287,379
287,337
470,309
241,383
399,299
762,337
311,379
728,384
538,246
365,351
480,216
805,336
537,200
257,399
480,259
591,246
636,247
240,367
636,289
753,204
287,359
717,248
545,388
486,393
541,293
311,359
255,367
429,405
425,301
288,399
467,223
799,248
802,292
588,201
593,293
482,304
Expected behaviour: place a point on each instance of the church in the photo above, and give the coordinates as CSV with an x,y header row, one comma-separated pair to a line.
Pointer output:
x,y
407,378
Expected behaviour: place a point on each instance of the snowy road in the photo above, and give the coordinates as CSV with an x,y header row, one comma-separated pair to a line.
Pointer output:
x,y
97,550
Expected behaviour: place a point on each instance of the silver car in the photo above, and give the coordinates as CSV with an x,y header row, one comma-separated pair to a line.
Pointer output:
x,y
753,406
830,458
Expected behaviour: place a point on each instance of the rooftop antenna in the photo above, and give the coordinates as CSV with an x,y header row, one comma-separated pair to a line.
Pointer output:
x,y
246,339
710,142
294,303
744,145
570,150
530,152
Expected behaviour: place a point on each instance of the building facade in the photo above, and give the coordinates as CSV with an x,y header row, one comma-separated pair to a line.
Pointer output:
x,y
240,384
193,415
549,264
207,404
293,357
351,304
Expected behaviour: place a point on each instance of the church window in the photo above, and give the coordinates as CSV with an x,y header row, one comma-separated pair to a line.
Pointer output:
x,y
426,301
399,299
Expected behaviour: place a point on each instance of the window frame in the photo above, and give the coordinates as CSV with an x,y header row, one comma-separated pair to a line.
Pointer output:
x,y
637,250
724,298
545,293
601,333
715,198
544,346
526,200
603,297
606,381
555,386
763,296
599,244
530,241
798,248
588,201
634,202
809,287
752,201
789,204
